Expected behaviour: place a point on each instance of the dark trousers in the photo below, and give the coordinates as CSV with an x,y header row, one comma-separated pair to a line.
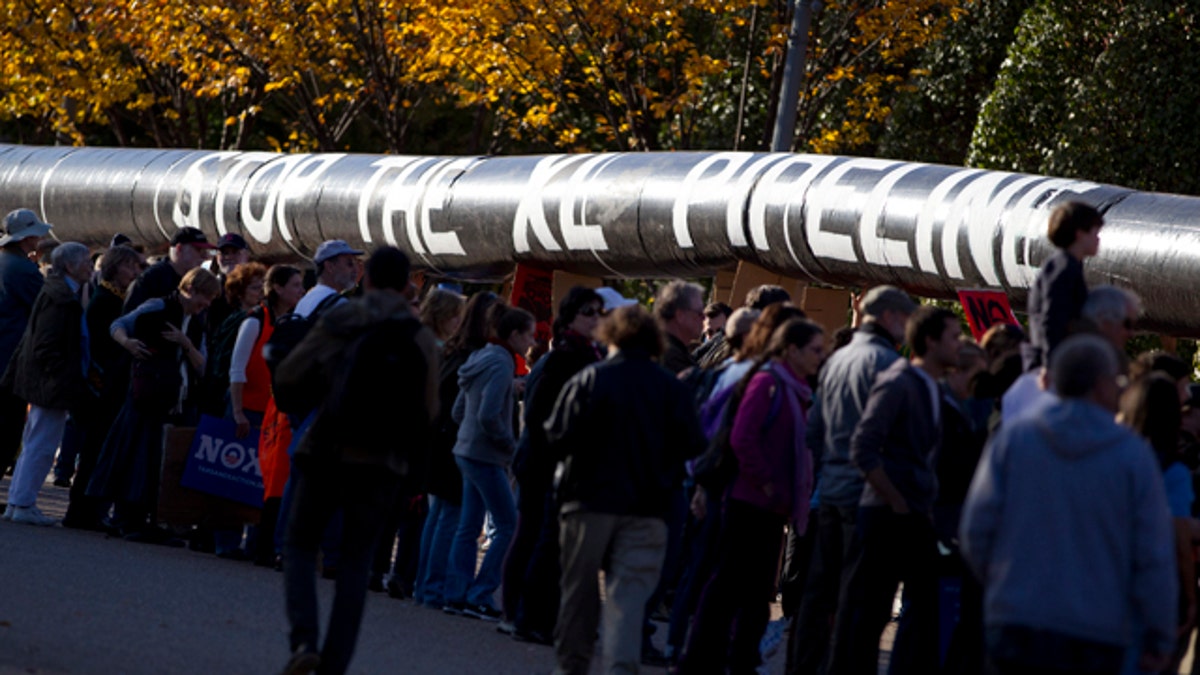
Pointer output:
x,y
12,425
364,494
400,545
703,549
676,521
94,420
1018,650
811,630
530,591
889,549
736,604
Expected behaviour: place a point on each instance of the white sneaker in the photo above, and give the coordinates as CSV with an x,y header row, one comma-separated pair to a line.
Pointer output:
x,y
8,511
31,515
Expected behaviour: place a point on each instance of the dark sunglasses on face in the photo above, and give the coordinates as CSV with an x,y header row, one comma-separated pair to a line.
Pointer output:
x,y
591,312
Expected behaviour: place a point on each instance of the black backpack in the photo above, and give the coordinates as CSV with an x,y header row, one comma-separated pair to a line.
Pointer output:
x,y
290,330
376,397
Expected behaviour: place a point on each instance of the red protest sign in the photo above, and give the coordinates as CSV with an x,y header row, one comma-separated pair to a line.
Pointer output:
x,y
985,309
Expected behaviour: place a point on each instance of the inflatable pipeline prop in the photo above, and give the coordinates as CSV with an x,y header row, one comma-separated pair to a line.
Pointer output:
x,y
830,220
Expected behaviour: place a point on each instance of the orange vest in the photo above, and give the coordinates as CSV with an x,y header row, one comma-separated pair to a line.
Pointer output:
x,y
257,390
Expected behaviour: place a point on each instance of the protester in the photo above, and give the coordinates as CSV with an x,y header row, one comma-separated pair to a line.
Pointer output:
x,y
108,379
680,307
232,253
285,287
713,349
250,324
761,297
772,488
189,249
1151,408
1059,291
841,397
340,462
20,283
441,312
1067,574
337,272
49,371
444,481
892,447
616,487
531,593
483,452
168,348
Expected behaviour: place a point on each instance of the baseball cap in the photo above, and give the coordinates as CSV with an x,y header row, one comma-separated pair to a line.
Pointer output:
x,y
612,299
234,240
884,298
23,224
332,249
190,236
120,239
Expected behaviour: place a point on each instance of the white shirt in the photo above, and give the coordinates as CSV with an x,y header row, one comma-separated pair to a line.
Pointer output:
x,y
315,296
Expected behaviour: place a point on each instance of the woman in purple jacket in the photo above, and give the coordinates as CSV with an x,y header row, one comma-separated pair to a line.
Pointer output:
x,y
772,487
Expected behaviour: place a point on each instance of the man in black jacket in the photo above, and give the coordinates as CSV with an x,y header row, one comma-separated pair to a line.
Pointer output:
x,y
623,429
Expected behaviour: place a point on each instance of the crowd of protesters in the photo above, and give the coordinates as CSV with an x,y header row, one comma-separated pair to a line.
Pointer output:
x,y
709,461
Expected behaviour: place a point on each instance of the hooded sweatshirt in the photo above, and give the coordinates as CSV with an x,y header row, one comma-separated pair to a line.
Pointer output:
x,y
1067,524
484,407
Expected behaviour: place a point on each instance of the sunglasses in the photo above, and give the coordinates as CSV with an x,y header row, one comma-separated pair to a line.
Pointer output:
x,y
591,312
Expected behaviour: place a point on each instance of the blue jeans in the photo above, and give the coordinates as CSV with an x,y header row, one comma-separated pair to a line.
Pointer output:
x,y
436,540
485,490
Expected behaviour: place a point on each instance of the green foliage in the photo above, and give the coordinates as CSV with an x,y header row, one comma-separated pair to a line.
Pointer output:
x,y
933,119
1107,91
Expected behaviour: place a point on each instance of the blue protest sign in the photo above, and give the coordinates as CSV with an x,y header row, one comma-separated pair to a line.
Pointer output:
x,y
223,465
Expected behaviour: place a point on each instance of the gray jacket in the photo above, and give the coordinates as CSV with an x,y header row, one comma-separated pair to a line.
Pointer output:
x,y
484,407
899,432
841,397
1067,525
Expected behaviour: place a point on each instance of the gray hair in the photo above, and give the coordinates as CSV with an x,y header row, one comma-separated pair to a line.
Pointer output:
x,y
1080,362
741,321
1110,304
675,296
69,256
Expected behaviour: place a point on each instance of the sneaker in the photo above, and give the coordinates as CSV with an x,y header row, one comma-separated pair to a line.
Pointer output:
x,y
31,515
536,637
454,608
482,612
303,661
506,627
62,482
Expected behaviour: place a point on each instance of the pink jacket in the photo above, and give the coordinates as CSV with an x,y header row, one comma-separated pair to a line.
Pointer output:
x,y
775,470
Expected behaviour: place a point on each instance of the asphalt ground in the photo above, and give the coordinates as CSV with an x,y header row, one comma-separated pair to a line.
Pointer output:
x,y
79,602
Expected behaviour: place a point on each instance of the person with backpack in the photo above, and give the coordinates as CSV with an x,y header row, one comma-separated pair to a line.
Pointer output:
x,y
444,481
483,452
772,487
376,365
244,293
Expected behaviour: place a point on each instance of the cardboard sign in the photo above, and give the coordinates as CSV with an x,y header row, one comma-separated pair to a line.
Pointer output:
x,y
985,309
223,465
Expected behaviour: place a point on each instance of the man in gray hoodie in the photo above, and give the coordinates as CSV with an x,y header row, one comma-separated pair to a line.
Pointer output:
x,y
1066,524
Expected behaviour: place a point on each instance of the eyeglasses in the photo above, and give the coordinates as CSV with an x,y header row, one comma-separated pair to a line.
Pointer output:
x,y
590,312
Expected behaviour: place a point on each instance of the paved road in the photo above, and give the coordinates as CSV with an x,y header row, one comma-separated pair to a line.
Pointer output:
x,y
78,602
